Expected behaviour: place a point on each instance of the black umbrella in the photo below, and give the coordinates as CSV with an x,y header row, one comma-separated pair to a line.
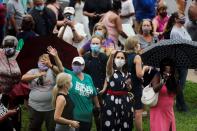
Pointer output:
x,y
183,52
34,47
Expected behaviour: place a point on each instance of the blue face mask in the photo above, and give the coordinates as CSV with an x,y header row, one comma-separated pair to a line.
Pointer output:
x,y
77,69
99,33
69,17
95,48
39,8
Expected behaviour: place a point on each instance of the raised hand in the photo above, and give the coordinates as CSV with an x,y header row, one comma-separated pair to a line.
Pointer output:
x,y
46,61
52,51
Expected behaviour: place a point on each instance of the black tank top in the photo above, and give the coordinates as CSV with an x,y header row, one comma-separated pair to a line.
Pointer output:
x,y
68,108
131,68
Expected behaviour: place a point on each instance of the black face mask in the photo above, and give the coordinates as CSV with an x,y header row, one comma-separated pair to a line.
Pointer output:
x,y
163,14
181,20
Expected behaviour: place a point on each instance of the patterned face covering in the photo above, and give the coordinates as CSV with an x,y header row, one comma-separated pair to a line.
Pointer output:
x,y
9,52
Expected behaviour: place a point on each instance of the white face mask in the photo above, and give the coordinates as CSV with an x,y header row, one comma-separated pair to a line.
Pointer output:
x,y
119,62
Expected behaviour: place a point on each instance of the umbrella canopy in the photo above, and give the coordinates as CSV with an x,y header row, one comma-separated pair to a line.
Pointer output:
x,y
34,47
183,52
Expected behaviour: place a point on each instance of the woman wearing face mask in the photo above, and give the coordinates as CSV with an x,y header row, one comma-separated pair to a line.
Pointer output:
x,y
63,104
41,81
96,60
107,43
162,116
83,92
10,76
117,110
146,36
161,20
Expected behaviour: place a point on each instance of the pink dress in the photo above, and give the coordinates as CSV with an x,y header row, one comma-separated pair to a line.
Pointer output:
x,y
162,115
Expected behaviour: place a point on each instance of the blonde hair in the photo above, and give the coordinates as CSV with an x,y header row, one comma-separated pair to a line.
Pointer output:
x,y
99,24
131,43
98,37
43,56
62,79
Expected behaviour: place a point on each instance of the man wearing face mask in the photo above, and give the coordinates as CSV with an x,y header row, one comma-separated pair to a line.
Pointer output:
x,y
96,60
44,18
179,32
83,92
73,32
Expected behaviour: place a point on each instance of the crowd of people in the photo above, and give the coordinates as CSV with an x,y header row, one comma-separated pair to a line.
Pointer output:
x,y
106,80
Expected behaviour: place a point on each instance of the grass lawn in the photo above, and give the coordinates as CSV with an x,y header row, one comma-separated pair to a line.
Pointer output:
x,y
184,121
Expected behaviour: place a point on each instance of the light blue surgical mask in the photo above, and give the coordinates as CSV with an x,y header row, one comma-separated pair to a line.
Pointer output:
x,y
99,33
95,48
69,17
39,8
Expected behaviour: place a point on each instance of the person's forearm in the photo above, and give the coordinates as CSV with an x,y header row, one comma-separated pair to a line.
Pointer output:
x,y
59,63
13,23
54,68
63,121
76,37
29,77
60,23
109,65
86,13
96,101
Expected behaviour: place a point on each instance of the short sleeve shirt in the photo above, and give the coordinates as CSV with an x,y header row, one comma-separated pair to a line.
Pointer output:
x,y
81,94
40,96
68,34
15,9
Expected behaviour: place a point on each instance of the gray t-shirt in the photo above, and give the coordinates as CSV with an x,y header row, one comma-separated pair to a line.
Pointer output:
x,y
144,43
15,8
179,33
40,97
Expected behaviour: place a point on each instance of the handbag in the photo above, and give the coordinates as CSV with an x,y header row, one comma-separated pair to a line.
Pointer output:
x,y
149,97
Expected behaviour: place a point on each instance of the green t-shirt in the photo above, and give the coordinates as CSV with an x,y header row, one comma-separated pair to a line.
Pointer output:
x,y
81,94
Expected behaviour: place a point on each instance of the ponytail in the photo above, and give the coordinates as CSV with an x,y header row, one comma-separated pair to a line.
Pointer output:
x,y
54,95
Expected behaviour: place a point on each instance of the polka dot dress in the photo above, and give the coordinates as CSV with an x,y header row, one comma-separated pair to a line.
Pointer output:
x,y
117,110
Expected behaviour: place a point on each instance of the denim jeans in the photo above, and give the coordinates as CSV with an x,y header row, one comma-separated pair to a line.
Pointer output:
x,y
60,127
180,101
